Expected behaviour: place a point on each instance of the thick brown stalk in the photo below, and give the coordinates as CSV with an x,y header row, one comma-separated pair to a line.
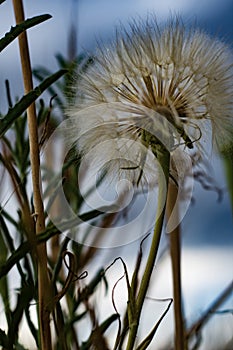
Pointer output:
x,y
175,252
44,294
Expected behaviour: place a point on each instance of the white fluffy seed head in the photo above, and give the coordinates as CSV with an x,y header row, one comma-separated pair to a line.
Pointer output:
x,y
173,81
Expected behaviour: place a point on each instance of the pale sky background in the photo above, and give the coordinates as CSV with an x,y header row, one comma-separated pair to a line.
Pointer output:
x,y
208,224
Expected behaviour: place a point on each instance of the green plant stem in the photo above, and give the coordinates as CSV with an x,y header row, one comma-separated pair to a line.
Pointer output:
x,y
44,285
164,160
175,253
228,165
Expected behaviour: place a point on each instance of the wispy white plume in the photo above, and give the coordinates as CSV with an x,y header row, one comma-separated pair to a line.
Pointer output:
x,y
153,85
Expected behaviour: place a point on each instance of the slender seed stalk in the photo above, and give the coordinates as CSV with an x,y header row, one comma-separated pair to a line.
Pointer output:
x,y
164,160
175,253
43,279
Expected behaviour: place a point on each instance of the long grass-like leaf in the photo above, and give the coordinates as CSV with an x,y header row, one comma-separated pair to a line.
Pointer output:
x,y
24,248
20,28
19,253
25,296
26,101
33,329
146,342
4,291
97,333
4,340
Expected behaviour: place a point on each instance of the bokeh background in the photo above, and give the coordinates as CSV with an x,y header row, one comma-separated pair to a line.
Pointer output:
x,y
207,256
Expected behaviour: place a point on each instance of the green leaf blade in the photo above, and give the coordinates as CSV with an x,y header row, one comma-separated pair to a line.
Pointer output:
x,y
20,28
20,107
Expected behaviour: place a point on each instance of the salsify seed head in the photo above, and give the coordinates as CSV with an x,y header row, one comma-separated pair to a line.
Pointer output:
x,y
153,85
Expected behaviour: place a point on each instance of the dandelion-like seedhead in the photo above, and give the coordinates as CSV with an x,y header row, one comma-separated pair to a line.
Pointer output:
x,y
152,86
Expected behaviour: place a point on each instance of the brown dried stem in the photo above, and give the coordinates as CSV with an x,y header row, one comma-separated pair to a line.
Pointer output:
x,y
175,253
44,294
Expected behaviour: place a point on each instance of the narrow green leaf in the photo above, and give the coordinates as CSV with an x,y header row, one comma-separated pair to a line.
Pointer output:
x,y
8,217
4,250
26,101
97,334
19,253
20,28
58,265
33,329
4,293
24,298
105,325
61,60
20,347
4,340
24,248
75,318
39,74
146,342
228,165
